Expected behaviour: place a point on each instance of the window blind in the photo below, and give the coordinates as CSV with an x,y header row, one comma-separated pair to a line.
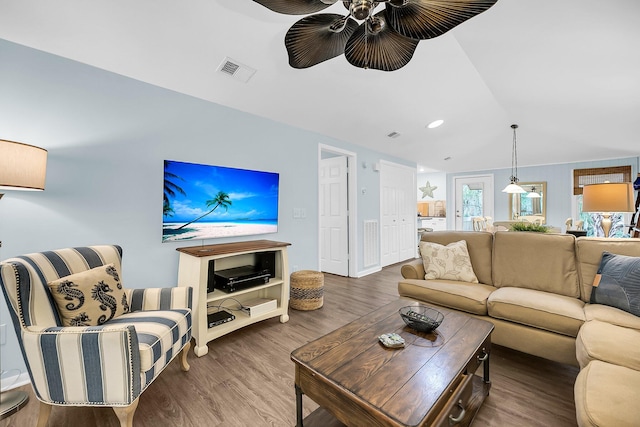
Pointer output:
x,y
582,177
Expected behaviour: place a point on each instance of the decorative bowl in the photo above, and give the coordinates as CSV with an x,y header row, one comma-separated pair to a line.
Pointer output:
x,y
421,318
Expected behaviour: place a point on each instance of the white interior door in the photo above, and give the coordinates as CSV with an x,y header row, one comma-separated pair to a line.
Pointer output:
x,y
389,227
474,197
334,231
406,194
397,213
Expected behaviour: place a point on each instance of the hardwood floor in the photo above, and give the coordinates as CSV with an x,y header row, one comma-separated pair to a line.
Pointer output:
x,y
246,379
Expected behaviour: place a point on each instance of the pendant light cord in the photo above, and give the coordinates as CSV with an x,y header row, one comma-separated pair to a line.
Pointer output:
x,y
514,157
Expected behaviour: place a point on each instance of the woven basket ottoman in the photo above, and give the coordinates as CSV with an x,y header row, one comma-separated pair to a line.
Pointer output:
x,y
307,290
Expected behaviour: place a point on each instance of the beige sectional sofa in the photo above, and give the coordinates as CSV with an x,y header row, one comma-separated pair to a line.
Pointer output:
x,y
535,288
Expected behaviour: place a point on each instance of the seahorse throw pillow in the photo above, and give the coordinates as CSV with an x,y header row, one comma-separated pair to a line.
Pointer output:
x,y
90,298
449,262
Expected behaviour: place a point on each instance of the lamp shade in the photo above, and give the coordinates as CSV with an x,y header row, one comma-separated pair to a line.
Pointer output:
x,y
514,188
608,197
22,166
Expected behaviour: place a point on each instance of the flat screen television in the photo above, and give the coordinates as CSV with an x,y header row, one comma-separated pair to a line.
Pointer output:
x,y
207,202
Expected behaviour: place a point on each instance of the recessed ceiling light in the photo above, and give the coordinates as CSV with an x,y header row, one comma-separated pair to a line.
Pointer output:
x,y
434,124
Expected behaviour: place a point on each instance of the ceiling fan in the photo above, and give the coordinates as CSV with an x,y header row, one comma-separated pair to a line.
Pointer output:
x,y
385,40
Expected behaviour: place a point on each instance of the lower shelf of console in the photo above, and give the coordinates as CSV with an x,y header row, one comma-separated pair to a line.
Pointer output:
x,y
231,302
242,320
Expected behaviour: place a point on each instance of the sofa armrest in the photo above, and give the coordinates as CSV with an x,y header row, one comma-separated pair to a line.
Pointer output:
x,y
81,365
159,298
413,270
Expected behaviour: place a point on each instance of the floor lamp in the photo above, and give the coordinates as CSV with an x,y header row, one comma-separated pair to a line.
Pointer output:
x,y
607,198
22,167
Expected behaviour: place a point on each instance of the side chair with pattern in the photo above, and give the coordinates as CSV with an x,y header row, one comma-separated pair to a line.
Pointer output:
x,y
86,340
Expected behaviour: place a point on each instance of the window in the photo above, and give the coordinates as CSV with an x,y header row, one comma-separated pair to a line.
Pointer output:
x,y
592,221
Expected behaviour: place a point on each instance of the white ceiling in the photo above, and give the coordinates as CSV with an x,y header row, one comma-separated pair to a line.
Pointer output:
x,y
567,72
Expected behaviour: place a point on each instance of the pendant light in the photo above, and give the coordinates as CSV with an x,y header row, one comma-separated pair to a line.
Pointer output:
x,y
513,187
533,194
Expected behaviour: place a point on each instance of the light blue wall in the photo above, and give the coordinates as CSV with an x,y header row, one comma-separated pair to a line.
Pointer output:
x,y
107,137
559,180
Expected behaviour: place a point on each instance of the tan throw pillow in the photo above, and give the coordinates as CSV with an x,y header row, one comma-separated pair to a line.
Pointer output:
x,y
449,262
90,298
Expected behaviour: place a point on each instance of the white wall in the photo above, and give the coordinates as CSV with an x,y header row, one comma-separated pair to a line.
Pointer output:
x,y
107,137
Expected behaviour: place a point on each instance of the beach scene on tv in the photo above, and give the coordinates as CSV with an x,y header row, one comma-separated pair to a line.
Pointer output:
x,y
206,201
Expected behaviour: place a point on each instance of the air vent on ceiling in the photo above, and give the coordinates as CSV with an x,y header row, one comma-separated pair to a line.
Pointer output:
x,y
235,69
393,134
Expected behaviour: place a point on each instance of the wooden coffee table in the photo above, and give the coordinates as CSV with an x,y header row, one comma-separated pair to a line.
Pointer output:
x,y
431,381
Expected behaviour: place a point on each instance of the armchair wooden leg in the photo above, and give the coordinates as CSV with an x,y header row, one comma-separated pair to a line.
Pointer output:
x,y
183,357
43,415
125,413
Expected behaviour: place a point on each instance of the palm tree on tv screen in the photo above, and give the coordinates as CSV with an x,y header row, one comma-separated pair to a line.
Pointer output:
x,y
170,190
221,199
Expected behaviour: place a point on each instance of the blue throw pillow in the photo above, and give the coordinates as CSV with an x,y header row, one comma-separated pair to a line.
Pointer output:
x,y
617,283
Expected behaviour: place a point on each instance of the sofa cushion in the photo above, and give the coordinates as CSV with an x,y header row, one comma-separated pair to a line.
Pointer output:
x,y
479,245
541,261
464,296
605,395
543,310
91,297
450,262
161,334
617,283
589,252
608,343
612,315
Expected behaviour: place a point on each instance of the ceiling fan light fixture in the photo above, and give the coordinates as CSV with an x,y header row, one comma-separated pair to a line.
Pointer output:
x,y
362,9
383,41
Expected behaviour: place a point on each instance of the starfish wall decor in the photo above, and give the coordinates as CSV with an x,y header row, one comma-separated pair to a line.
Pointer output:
x,y
428,189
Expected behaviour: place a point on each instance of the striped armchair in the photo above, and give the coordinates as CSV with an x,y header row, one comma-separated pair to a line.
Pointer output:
x,y
106,365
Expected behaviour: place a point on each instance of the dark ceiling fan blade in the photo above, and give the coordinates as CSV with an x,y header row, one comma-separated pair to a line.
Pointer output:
x,y
316,38
381,47
426,19
294,7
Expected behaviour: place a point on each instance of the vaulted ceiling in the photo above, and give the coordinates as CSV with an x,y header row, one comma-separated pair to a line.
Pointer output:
x,y
567,72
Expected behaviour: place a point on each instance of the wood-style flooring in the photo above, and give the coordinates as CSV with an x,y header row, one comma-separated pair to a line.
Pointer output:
x,y
247,377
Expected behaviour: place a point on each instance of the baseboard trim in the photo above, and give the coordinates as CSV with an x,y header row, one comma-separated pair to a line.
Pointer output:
x,y
15,381
368,271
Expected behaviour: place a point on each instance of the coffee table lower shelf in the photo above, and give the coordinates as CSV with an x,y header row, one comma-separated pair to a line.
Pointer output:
x,y
323,418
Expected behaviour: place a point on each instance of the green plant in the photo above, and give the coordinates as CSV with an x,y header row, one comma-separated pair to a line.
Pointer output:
x,y
529,226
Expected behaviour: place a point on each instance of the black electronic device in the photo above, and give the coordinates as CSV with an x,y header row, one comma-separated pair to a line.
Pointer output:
x,y
267,261
211,281
237,278
219,317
